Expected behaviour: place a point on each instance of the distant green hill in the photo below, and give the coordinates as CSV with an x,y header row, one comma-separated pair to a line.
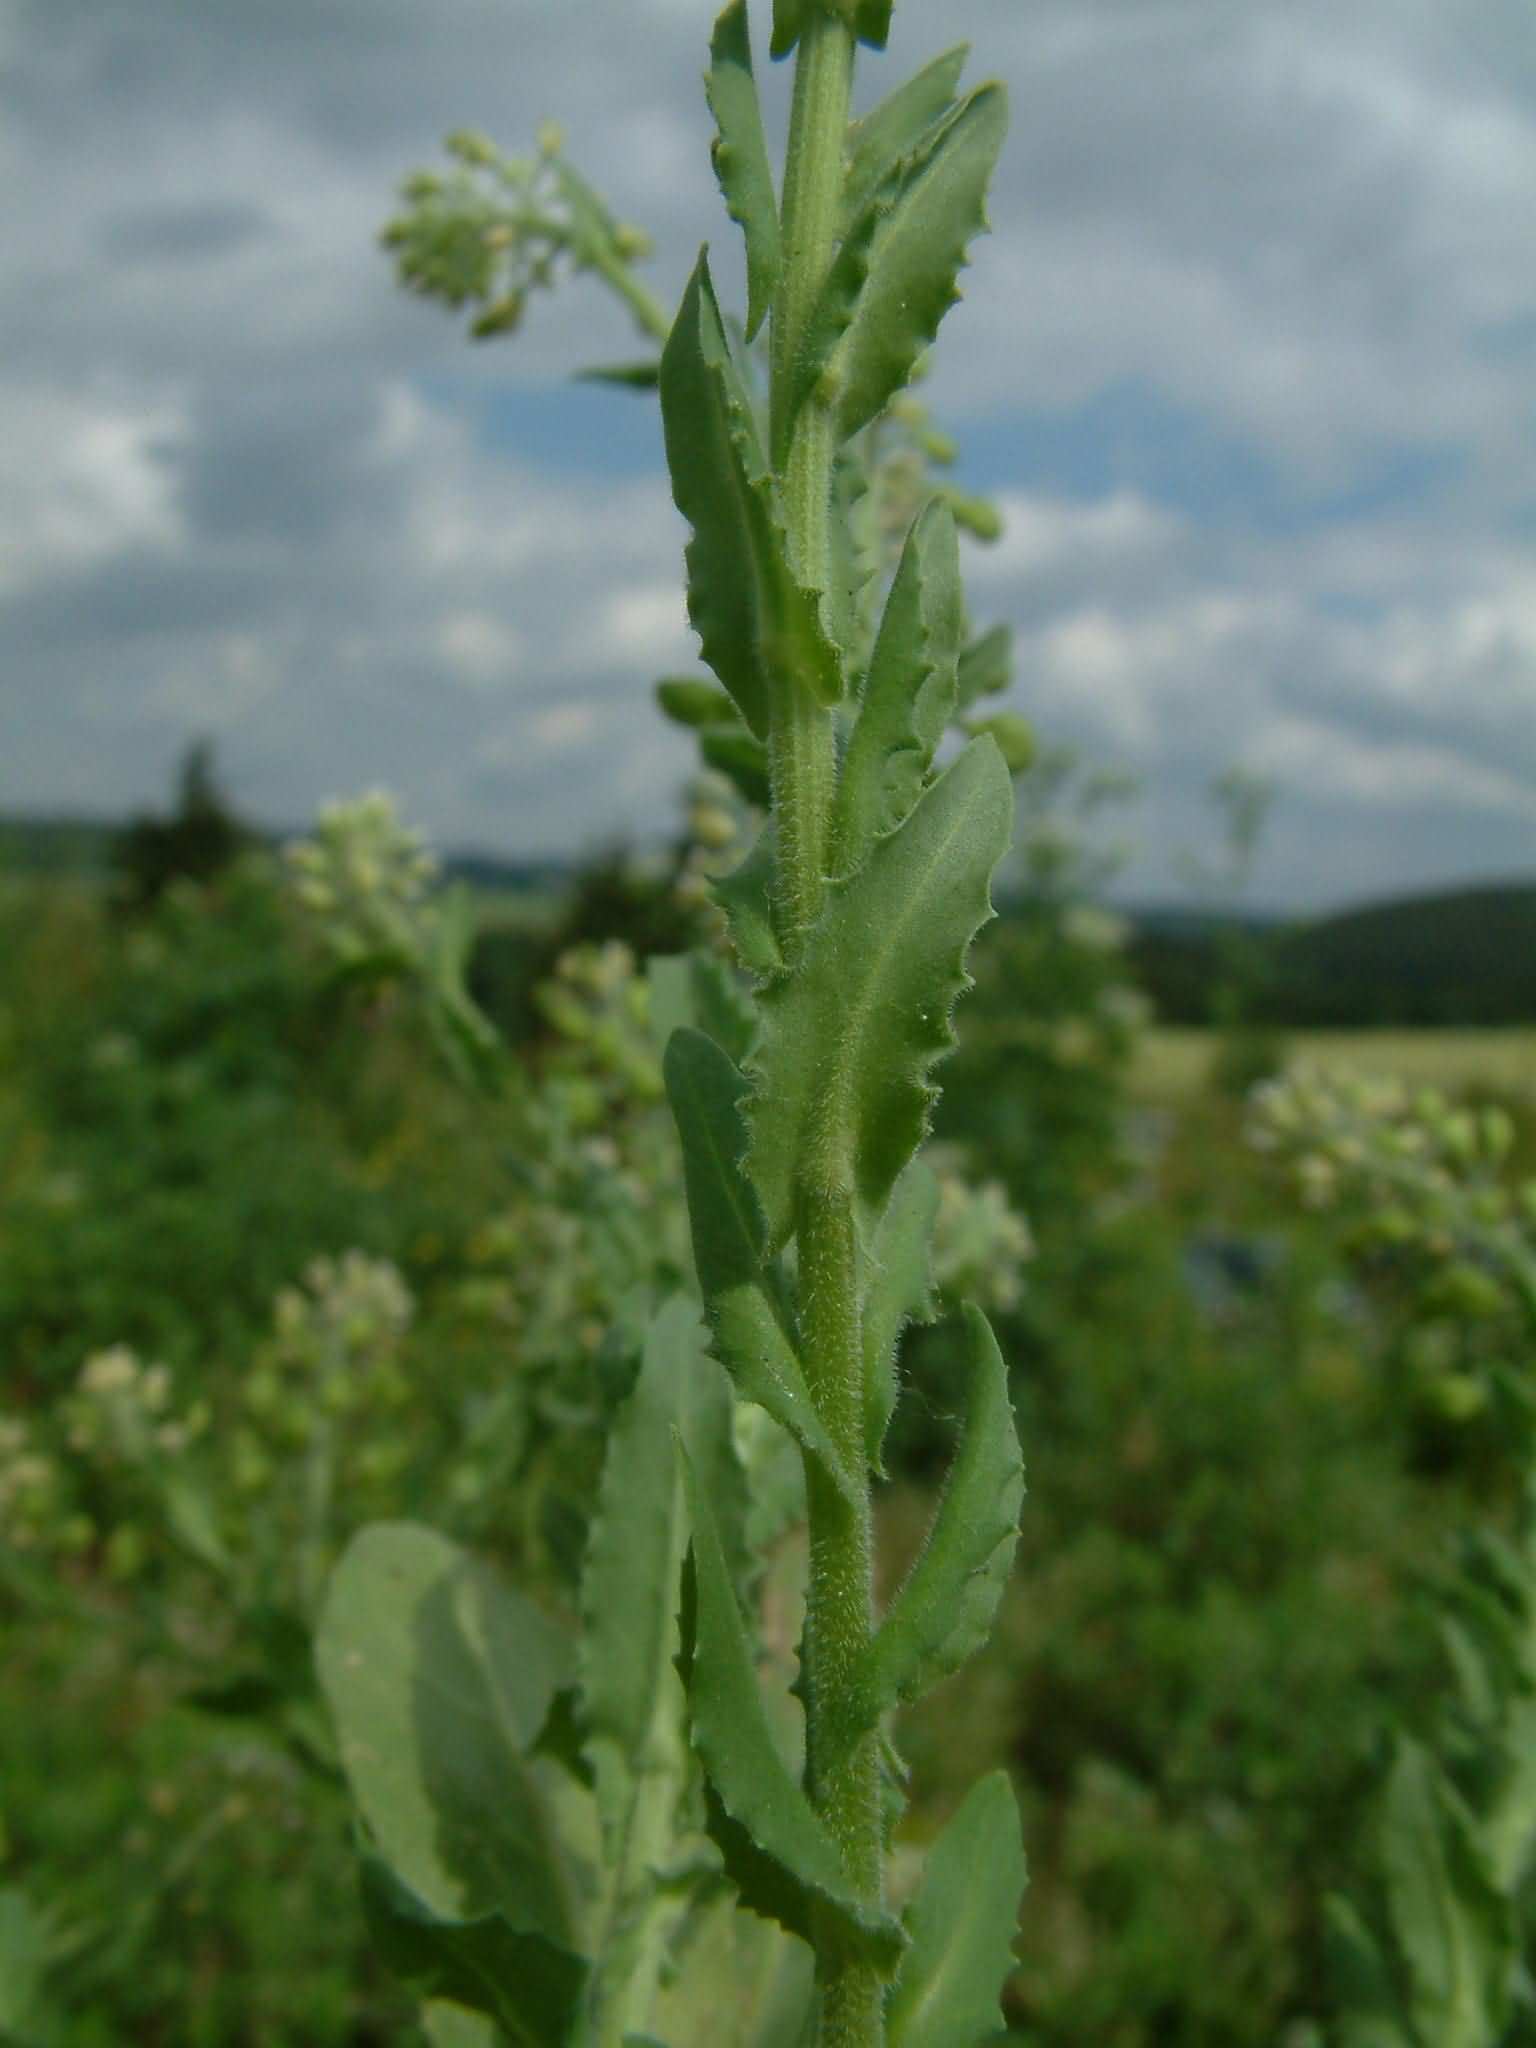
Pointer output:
x,y
1455,956
1461,956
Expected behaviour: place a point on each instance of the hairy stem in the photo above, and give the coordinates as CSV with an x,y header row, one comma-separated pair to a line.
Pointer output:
x,y
844,1779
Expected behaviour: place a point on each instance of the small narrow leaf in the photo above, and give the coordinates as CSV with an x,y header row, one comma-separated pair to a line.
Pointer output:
x,y
986,665
1015,738
899,1291
531,1987
909,696
737,755
631,1697
893,131
749,1777
741,157
746,897
1360,1977
944,1610
687,701
841,1073
1455,1930
872,22
894,278
788,21
706,1090
753,620
630,376
962,1926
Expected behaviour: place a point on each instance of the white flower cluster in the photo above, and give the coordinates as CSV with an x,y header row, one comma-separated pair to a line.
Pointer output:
x,y
979,1243
365,876
120,1411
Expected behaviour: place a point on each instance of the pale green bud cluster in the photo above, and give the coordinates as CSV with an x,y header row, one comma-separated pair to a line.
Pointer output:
x,y
365,879
600,1005
980,1243
32,1489
1424,1169
495,229
1420,1177
335,1344
120,1411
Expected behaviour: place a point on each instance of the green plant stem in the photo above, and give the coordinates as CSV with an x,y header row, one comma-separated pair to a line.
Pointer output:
x,y
844,1779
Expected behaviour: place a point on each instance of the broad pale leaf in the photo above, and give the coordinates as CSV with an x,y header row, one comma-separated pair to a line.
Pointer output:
x,y
1015,738
752,618
1454,1928
841,1087
895,128
703,992
751,1337
528,1984
986,665
688,701
898,1291
455,2026
894,278
746,897
753,1784
741,157
737,1981
909,694
962,1926
632,1701
439,1678
945,1608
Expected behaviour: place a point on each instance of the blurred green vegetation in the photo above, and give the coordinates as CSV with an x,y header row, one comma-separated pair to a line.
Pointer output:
x,y
1239,1463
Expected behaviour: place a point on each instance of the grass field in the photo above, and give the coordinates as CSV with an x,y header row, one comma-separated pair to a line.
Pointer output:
x,y
1173,1066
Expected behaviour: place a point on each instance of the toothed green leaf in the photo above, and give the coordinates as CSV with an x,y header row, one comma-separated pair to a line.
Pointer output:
x,y
706,1089
909,695
740,156
529,1985
894,278
439,1679
962,1926
893,131
945,1608
899,1291
750,1778
736,754
746,897
689,702
840,1075
986,665
632,1701
753,620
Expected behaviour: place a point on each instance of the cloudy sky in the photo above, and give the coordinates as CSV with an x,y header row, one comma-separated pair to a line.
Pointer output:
x,y
1250,361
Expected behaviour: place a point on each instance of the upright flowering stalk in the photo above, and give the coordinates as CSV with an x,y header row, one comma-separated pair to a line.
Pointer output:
x,y
617,1842
854,913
